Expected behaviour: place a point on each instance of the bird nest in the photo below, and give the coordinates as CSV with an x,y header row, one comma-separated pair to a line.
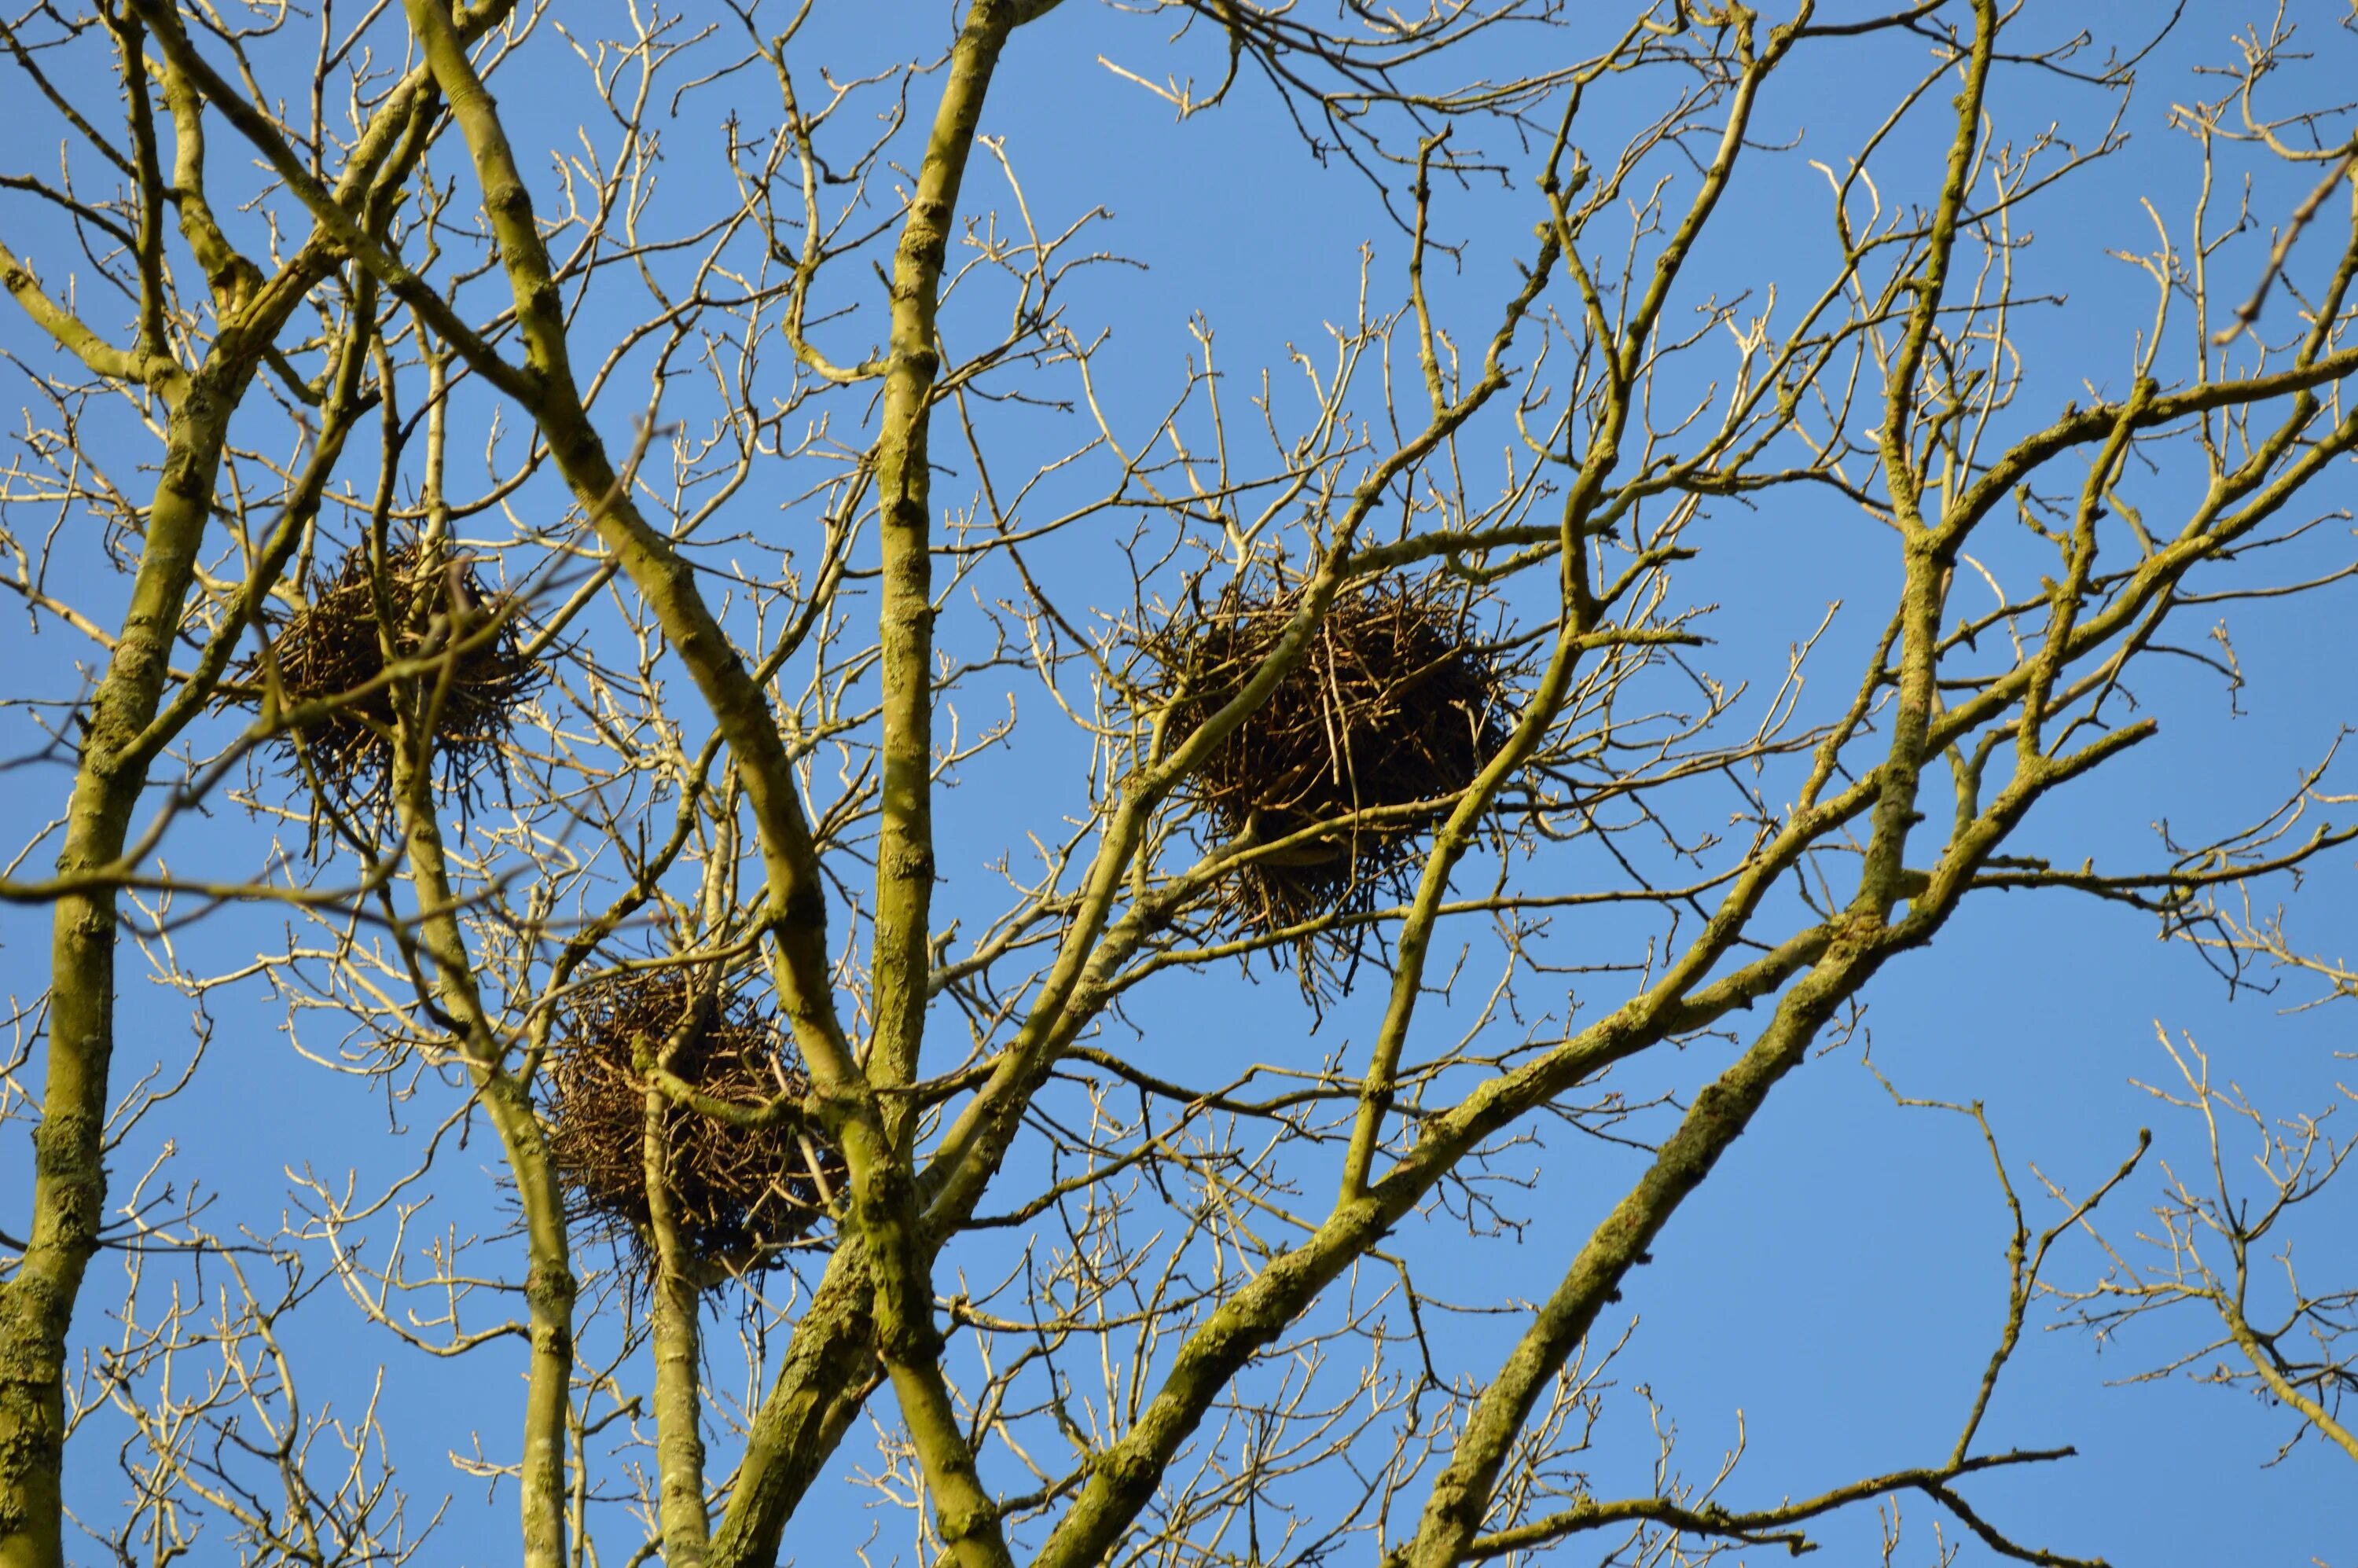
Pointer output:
x,y
336,645
1394,708
738,1193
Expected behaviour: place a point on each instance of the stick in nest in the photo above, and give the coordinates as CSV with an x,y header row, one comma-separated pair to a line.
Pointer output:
x,y
337,644
1397,704
739,1195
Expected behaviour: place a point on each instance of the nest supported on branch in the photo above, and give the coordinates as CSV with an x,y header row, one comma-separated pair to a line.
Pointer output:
x,y
738,1194
1397,704
334,644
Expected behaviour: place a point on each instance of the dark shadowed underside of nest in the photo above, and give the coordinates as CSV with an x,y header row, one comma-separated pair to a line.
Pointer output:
x,y
1398,702
333,646
739,1195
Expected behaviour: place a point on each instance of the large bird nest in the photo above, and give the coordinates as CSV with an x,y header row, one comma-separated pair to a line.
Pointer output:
x,y
336,645
1395,707
739,1195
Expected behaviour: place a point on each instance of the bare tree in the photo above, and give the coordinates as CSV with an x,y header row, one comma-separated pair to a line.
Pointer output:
x,y
598,793
2224,1246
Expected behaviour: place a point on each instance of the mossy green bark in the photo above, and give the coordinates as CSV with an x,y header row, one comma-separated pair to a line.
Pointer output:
x,y
69,1196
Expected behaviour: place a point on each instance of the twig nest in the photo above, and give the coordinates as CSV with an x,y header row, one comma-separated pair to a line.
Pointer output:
x,y
337,643
1394,708
738,1194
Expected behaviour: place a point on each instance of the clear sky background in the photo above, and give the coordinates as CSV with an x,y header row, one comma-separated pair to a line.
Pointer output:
x,y
1834,1291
